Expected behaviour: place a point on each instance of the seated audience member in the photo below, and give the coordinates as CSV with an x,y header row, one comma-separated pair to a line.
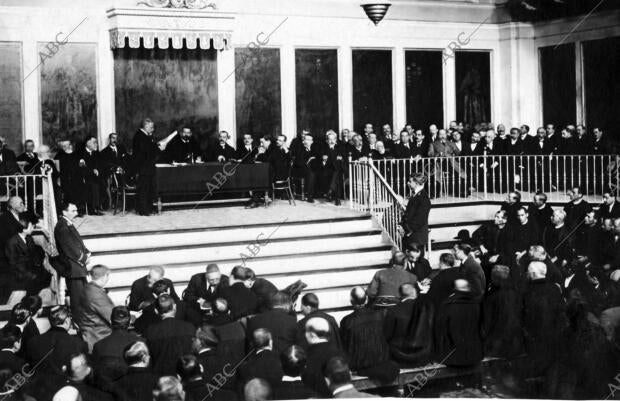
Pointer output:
x,y
543,319
383,288
589,242
10,344
442,285
263,363
610,209
22,317
29,157
141,294
293,361
557,241
220,151
364,341
279,320
415,263
211,356
241,300
470,269
525,233
358,149
457,329
168,339
221,313
204,288
408,328
92,175
262,288
540,211
441,147
331,169
614,244
279,159
138,381
511,206
246,153
8,163
183,148
168,388
494,242
9,226
232,338
150,316
189,371
257,390
305,164
79,374
108,352
25,258
536,253
59,342
114,157
501,316
404,149
310,309
577,208
338,379
319,353
94,313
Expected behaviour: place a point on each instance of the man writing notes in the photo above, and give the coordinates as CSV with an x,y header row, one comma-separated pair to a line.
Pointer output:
x,y
414,224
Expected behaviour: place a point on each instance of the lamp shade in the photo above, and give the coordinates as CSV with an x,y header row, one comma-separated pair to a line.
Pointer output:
x,y
376,10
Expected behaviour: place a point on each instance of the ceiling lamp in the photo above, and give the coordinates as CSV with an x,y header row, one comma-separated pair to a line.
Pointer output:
x,y
376,10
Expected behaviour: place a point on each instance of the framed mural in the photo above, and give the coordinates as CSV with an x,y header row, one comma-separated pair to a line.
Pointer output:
x,y
557,76
372,89
11,117
473,87
424,88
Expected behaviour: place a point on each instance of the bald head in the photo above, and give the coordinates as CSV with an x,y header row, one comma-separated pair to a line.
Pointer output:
x,y
358,296
317,330
537,270
16,204
462,285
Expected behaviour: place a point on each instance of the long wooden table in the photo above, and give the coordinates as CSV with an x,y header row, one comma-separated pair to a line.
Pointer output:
x,y
209,178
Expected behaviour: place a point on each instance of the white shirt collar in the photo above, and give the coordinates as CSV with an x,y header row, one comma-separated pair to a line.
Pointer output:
x,y
69,222
343,388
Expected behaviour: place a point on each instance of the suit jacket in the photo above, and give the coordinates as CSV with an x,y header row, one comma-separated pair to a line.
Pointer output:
x,y
403,152
93,162
25,259
32,162
145,153
216,150
332,163
241,300
408,329
108,353
205,389
140,292
317,357
415,218
357,154
182,152
542,217
280,163
524,236
538,147
8,163
515,149
10,361
264,365
439,149
111,160
94,314
281,324
137,384
478,149
168,340
9,226
601,147
71,249
63,345
472,270
264,290
243,154
605,212
303,160
575,213
197,288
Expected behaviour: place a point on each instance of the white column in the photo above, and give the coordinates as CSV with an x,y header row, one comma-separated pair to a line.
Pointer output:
x,y
399,88
580,83
105,91
345,87
449,90
288,95
31,83
226,93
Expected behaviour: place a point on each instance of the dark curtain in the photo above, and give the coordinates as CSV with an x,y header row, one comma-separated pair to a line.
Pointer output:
x,y
473,87
11,99
557,66
424,81
372,89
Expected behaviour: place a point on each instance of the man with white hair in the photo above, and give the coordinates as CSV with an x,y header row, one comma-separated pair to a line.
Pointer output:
x,y
204,288
331,168
141,294
543,318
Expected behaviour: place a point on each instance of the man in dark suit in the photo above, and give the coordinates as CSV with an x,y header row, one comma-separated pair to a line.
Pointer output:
x,y
540,211
442,147
26,258
220,151
338,379
310,309
79,375
247,152
600,145
319,352
72,253
138,382
168,339
141,294
525,233
408,328
577,208
404,150
513,145
457,328
279,320
29,157
70,174
331,169
527,140
114,155
9,226
420,145
241,300
264,362
306,165
442,284
540,145
145,153
262,288
150,315
183,148
204,288
10,344
195,386
94,314
414,224
108,352
215,349
8,163
474,147
92,175
358,149
610,209
471,269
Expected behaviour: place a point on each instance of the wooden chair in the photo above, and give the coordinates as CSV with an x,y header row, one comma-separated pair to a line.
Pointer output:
x,y
284,185
294,180
120,191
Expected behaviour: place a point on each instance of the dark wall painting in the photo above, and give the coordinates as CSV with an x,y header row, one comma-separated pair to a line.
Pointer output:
x,y
11,127
372,89
258,93
557,75
424,83
473,87
172,87
69,94
316,76
601,59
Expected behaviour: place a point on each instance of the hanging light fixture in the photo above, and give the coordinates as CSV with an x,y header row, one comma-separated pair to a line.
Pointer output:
x,y
376,10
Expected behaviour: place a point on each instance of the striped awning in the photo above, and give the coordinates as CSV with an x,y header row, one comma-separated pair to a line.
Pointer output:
x,y
120,38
